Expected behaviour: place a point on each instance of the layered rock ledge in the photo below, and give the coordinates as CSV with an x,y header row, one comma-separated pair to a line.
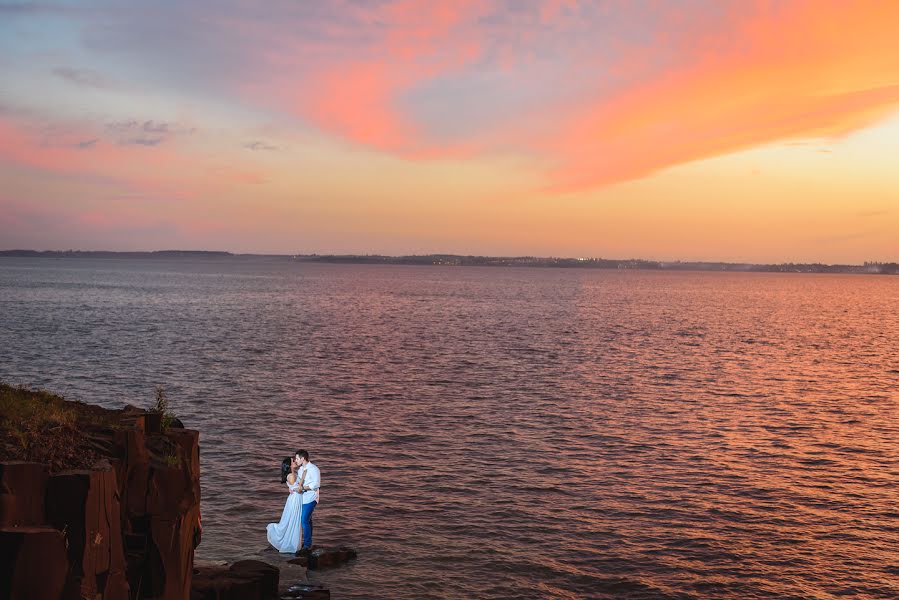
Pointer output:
x,y
98,503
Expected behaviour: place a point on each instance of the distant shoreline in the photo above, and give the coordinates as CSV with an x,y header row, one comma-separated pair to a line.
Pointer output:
x,y
869,268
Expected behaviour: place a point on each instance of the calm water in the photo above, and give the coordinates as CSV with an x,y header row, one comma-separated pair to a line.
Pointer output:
x,y
508,433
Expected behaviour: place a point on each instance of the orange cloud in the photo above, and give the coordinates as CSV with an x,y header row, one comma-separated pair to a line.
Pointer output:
x,y
815,69
755,74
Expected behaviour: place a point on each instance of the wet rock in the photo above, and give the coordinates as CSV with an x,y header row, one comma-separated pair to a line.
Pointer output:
x,y
33,563
220,584
266,574
306,591
244,580
208,564
22,488
302,561
326,558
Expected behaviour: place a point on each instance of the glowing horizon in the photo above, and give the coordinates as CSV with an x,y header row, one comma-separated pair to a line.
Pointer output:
x,y
721,131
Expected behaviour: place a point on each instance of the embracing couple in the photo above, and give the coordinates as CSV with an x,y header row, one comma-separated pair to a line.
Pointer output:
x,y
303,480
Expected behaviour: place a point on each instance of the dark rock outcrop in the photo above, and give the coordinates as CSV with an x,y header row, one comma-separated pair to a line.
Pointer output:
x,y
22,487
244,580
32,563
122,528
324,558
306,591
85,506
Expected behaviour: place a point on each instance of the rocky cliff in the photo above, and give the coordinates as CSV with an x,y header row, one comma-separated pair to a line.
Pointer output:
x,y
95,503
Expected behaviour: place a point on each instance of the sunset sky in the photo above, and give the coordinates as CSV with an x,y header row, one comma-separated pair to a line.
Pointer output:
x,y
692,129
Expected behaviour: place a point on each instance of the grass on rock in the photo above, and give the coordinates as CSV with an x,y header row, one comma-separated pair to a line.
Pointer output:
x,y
39,426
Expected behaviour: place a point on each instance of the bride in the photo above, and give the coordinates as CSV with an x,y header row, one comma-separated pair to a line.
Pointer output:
x,y
285,535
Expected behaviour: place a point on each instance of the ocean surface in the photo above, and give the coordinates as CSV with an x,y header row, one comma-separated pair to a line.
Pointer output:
x,y
505,432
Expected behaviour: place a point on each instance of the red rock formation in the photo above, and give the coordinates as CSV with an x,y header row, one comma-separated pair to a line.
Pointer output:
x,y
22,487
132,468
32,563
128,523
162,502
85,505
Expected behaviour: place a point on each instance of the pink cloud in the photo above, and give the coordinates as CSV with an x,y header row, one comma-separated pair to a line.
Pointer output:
x,y
81,151
359,98
356,101
28,147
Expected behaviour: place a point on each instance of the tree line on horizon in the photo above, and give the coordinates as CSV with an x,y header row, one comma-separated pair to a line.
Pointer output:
x,y
868,267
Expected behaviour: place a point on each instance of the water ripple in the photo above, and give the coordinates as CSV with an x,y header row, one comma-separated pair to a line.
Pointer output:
x,y
508,433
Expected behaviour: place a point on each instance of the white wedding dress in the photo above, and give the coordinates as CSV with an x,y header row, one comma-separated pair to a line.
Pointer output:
x,y
285,535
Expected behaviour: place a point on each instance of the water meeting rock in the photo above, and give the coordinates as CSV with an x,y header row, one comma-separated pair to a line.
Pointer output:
x,y
243,580
323,558
306,591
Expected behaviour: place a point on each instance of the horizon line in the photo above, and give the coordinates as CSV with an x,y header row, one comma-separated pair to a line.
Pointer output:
x,y
13,251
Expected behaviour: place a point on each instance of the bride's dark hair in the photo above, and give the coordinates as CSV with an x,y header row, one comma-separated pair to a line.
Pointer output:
x,y
285,469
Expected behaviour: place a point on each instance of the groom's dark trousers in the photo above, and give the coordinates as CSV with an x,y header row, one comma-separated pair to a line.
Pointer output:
x,y
306,521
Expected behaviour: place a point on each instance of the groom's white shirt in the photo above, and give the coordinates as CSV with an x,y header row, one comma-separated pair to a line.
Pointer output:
x,y
313,480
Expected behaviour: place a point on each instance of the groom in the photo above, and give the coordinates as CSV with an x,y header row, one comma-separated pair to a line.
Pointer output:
x,y
311,483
